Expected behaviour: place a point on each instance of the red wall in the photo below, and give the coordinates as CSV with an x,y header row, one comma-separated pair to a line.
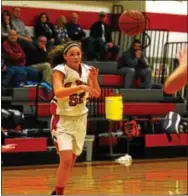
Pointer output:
x,y
173,23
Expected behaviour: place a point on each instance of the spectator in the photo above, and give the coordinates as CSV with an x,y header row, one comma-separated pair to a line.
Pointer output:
x,y
75,32
40,62
101,33
24,39
16,59
61,31
44,27
19,25
132,64
6,24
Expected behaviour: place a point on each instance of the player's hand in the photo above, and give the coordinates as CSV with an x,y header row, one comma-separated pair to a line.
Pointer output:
x,y
8,147
94,72
86,88
182,57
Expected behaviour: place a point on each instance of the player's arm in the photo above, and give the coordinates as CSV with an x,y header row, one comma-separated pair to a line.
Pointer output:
x,y
60,91
8,147
179,78
93,82
176,80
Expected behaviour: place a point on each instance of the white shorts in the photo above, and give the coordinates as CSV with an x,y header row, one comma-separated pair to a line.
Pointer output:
x,y
68,132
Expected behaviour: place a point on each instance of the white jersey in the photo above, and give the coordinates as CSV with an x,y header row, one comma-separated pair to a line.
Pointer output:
x,y
73,105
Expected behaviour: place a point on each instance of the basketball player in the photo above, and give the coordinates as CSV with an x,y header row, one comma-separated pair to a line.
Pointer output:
x,y
179,78
73,82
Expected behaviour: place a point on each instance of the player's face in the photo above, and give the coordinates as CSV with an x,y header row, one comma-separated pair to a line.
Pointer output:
x,y
73,57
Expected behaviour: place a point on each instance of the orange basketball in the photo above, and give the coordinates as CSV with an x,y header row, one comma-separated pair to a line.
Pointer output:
x,y
132,22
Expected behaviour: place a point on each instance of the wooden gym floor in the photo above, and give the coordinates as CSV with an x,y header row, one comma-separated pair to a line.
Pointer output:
x,y
143,177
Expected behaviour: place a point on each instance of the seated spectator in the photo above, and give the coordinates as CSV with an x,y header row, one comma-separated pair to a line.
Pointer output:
x,y
19,25
61,31
24,39
16,59
75,32
40,62
44,27
6,24
102,35
132,64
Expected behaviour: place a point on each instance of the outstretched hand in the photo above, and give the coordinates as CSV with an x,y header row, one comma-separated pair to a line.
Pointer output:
x,y
8,147
94,72
182,57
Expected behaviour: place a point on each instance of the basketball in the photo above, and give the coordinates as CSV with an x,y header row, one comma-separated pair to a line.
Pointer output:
x,y
132,22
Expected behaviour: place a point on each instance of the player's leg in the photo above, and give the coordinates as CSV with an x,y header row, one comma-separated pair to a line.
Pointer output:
x,y
64,148
73,141
64,170
79,136
64,145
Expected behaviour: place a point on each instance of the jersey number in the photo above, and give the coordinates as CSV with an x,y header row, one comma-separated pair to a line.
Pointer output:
x,y
76,99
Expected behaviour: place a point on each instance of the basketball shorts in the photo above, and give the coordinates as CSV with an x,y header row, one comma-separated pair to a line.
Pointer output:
x,y
68,132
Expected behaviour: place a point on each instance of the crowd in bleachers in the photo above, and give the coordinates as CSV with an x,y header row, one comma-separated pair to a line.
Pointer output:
x,y
25,59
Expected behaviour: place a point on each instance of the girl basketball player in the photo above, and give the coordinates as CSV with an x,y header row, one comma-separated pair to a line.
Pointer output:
x,y
73,82
179,78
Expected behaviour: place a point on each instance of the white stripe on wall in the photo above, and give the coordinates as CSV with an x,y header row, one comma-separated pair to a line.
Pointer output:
x,y
88,6
177,37
168,7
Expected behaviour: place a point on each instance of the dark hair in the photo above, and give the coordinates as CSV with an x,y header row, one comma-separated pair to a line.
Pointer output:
x,y
136,41
40,16
6,13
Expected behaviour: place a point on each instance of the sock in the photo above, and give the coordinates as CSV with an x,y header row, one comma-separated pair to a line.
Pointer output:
x,y
59,190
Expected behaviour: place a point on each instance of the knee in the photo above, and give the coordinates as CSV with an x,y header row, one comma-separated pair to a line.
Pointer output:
x,y
130,70
116,49
126,71
22,73
45,66
11,71
48,66
99,41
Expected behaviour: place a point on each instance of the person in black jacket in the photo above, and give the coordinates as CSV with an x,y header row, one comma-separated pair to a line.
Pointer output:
x,y
40,62
75,32
102,35
132,64
44,27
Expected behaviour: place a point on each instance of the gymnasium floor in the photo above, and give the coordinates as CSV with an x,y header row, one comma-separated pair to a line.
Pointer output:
x,y
143,177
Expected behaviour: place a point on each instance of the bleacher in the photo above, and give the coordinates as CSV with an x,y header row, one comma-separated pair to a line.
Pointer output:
x,y
142,104
146,105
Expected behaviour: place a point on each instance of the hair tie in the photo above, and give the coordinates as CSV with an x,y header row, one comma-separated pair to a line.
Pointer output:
x,y
70,46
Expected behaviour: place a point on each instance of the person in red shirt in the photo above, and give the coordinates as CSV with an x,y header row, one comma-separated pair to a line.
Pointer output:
x,y
15,59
